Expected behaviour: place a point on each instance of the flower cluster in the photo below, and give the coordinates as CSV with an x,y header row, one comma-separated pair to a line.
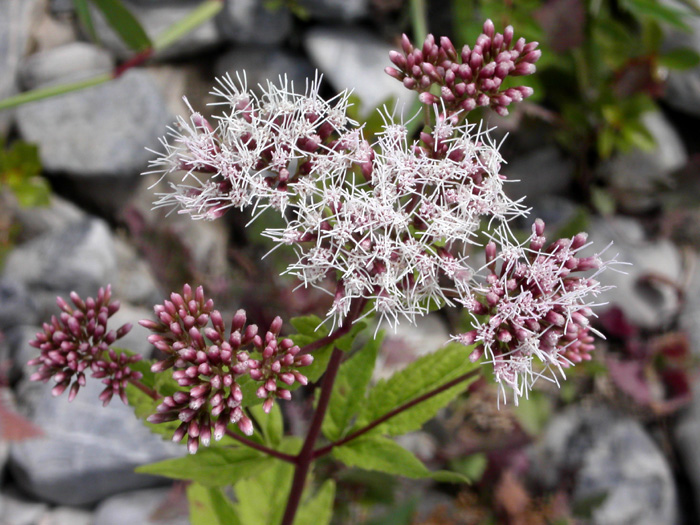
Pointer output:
x,y
388,226
534,303
399,237
211,366
474,77
79,340
259,148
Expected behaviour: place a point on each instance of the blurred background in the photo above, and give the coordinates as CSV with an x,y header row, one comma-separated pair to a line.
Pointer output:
x,y
608,144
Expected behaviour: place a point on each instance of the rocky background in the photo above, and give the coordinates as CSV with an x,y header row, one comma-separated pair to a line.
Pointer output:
x,y
617,445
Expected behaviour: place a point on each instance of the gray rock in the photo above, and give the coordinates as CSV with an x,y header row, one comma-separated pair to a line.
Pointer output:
x,y
135,282
99,131
353,58
49,31
638,176
68,63
57,216
541,172
17,510
608,458
16,18
155,18
334,10
88,452
67,516
137,339
80,257
265,63
648,304
20,351
137,507
252,22
16,304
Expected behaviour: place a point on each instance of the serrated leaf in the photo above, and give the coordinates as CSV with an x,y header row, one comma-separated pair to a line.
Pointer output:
x,y
310,325
385,455
317,509
382,454
210,506
271,425
259,498
212,467
349,390
124,24
423,375
681,58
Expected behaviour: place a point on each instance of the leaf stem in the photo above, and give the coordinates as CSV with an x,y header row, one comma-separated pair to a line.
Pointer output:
x,y
327,449
306,456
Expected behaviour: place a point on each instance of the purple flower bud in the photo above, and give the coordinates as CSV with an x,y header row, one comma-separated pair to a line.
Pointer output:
x,y
489,28
428,98
246,426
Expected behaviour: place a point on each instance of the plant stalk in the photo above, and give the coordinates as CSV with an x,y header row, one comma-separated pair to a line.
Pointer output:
x,y
306,456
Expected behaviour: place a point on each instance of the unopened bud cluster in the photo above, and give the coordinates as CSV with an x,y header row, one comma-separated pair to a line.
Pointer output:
x,y
535,306
470,78
78,341
210,366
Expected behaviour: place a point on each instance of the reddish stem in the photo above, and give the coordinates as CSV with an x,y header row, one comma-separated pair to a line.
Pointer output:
x,y
306,456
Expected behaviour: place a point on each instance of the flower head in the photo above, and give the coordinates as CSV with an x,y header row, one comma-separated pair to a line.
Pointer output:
x,y
533,306
470,78
211,366
78,341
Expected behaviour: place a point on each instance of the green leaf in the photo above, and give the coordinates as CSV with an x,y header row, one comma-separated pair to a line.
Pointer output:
x,y
212,467
349,390
658,11
399,514
681,58
210,506
124,24
205,11
317,509
32,192
534,413
472,466
260,498
310,328
423,375
83,12
271,425
385,455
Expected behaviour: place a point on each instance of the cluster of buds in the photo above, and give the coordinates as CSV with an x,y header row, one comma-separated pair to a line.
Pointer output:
x,y
470,78
279,362
78,341
210,365
535,306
